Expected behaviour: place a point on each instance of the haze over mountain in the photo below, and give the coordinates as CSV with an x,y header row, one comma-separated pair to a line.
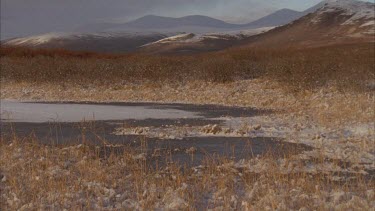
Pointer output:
x,y
282,17
197,23
20,18
331,21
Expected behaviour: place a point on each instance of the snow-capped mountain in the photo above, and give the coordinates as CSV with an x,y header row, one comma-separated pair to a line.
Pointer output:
x,y
192,43
129,42
355,18
331,21
357,11
336,21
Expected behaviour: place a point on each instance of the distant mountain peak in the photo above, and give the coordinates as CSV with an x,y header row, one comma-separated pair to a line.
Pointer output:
x,y
277,18
159,22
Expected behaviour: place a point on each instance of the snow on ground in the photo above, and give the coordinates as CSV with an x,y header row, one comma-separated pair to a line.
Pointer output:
x,y
72,179
36,40
194,38
46,38
175,38
170,36
247,32
358,10
370,23
350,143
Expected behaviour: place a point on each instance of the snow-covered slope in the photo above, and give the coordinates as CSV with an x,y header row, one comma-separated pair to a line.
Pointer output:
x,y
127,42
35,40
334,22
195,38
357,11
101,42
191,43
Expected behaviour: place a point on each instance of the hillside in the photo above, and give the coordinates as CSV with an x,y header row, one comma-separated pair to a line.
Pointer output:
x,y
195,43
98,42
335,22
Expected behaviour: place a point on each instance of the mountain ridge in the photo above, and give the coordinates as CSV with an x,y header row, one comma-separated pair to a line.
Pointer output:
x,y
330,21
335,22
163,23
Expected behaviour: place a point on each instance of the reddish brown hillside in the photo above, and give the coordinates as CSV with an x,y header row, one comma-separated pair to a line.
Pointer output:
x,y
336,22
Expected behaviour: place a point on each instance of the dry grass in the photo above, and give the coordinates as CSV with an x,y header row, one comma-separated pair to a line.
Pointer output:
x,y
326,105
82,178
332,83
327,84
24,52
346,66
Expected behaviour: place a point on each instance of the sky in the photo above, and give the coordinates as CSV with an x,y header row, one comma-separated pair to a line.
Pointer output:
x,y
28,17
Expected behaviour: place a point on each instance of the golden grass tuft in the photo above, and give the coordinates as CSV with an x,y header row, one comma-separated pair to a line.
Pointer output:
x,y
80,177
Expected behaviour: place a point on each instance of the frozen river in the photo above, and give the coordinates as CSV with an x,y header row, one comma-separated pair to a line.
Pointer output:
x,y
13,111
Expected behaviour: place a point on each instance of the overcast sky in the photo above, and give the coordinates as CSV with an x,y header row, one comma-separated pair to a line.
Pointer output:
x,y
26,17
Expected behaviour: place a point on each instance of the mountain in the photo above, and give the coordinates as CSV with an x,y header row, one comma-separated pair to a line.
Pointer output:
x,y
153,23
99,42
336,21
277,18
282,17
329,22
158,22
129,42
194,43
196,23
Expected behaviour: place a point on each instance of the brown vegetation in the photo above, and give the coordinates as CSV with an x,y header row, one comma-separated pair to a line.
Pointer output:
x,y
25,52
348,66
326,84
81,177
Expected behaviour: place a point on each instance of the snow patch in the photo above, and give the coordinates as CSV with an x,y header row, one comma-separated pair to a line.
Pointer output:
x,y
356,9
175,38
370,23
46,38
35,40
195,38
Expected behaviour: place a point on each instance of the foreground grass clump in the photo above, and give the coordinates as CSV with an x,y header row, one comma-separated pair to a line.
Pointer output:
x,y
82,177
